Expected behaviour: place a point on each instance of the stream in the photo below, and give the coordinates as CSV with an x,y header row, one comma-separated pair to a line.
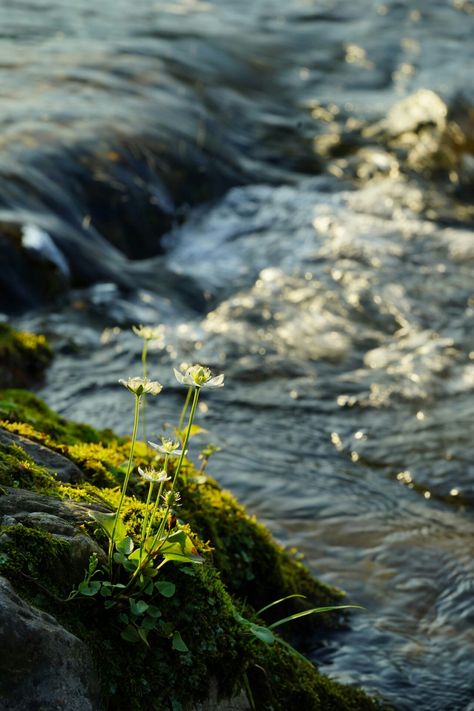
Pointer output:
x,y
287,189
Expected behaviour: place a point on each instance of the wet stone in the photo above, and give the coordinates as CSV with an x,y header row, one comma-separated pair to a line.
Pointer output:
x,y
42,665
65,470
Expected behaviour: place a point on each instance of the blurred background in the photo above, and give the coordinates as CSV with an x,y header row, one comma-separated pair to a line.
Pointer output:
x,y
287,188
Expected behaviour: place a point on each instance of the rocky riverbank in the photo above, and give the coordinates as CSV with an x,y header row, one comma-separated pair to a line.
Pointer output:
x,y
61,654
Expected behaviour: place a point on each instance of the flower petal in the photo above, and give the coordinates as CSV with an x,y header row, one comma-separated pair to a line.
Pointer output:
x,y
179,376
216,382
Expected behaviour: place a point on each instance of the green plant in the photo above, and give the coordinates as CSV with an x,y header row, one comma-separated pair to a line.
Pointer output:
x,y
129,581
265,634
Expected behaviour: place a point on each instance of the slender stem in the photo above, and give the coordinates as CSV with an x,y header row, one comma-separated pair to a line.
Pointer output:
x,y
127,477
157,500
144,355
186,439
248,692
162,525
185,408
145,519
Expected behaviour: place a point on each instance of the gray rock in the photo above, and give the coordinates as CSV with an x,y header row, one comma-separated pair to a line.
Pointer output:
x,y
15,501
43,667
55,516
214,703
63,468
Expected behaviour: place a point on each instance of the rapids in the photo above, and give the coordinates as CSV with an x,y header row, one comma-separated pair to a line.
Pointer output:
x,y
285,187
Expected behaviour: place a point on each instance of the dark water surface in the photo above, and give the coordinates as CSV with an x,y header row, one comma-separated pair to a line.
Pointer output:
x,y
286,187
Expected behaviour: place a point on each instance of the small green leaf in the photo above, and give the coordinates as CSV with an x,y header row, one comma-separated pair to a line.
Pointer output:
x,y
143,634
182,558
153,611
129,565
107,522
313,611
109,603
138,607
178,643
239,618
148,587
165,588
262,633
125,546
89,588
277,602
130,634
149,571
149,623
176,538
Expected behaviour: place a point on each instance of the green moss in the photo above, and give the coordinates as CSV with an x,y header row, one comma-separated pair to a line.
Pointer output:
x,y
21,406
33,559
291,683
17,469
23,356
136,676
244,569
99,453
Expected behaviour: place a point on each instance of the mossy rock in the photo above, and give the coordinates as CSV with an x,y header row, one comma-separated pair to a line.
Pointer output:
x,y
23,356
200,637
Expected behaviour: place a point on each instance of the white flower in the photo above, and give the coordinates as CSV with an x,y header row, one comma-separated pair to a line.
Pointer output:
x,y
140,386
149,333
168,447
151,474
199,377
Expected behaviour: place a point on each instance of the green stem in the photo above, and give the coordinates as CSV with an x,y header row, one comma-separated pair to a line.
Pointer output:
x,y
140,568
157,500
144,355
127,477
186,439
145,520
185,408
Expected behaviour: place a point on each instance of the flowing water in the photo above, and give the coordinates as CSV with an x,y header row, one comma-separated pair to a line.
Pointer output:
x,y
285,187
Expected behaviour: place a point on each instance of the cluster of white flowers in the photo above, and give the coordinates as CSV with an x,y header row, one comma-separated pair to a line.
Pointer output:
x,y
197,376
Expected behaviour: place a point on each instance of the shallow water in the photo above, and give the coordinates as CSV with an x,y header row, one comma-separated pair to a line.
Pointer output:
x,y
248,177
